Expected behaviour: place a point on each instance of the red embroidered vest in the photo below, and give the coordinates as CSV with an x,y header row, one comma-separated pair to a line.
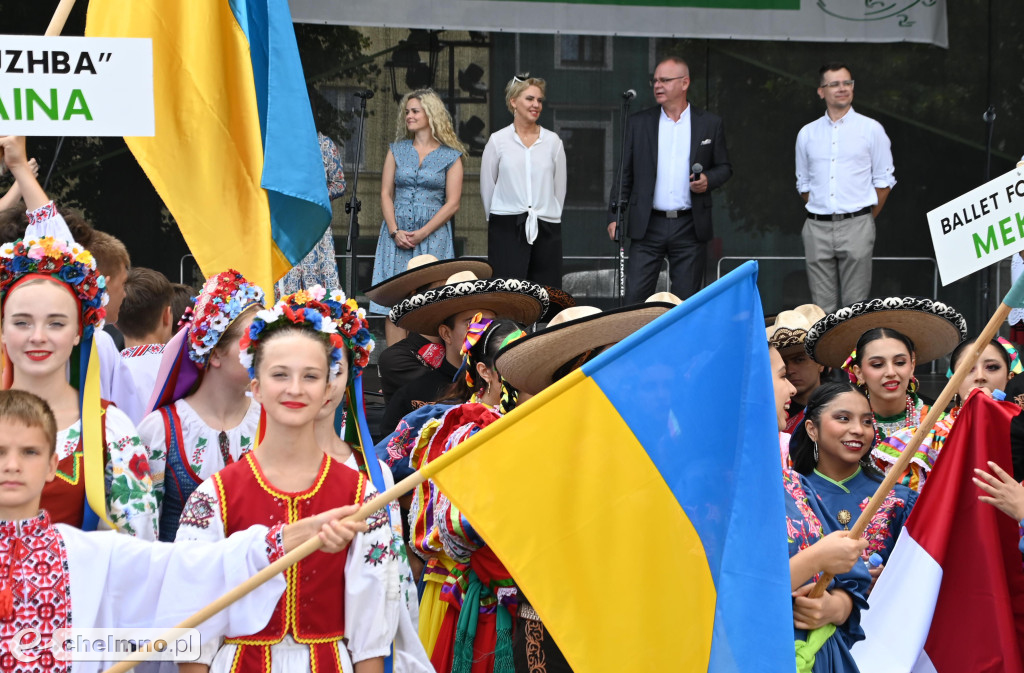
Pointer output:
x,y
312,609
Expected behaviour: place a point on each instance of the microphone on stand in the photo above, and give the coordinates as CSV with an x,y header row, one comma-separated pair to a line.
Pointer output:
x,y
365,94
630,94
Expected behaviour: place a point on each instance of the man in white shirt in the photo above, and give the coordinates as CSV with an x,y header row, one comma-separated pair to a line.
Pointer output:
x,y
669,204
844,173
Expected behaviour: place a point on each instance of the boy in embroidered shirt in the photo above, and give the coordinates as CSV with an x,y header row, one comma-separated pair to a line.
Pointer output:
x,y
112,580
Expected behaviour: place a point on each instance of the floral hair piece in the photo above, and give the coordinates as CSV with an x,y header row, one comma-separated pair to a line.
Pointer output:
x,y
64,261
224,297
339,318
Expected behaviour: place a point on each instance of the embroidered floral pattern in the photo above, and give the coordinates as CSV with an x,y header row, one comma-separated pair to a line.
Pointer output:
x,y
878,532
807,531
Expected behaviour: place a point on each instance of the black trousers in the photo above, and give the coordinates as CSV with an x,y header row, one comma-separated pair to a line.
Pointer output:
x,y
533,650
687,258
512,257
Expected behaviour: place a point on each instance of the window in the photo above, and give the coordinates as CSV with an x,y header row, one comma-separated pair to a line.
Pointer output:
x,y
583,52
588,148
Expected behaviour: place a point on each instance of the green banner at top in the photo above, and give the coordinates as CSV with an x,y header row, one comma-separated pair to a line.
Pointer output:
x,y
808,20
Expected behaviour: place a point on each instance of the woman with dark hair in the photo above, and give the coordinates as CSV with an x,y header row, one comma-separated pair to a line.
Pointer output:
x,y
832,452
879,343
999,362
816,547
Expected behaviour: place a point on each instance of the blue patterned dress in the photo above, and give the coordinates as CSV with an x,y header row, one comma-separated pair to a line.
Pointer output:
x,y
806,524
419,194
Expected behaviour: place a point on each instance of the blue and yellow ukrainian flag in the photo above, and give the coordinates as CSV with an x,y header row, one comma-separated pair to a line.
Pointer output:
x,y
235,157
638,502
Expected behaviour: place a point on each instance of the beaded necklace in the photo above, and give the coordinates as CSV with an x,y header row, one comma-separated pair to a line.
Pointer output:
x,y
886,426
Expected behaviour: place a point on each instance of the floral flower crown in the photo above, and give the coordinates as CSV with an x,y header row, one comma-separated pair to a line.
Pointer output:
x,y
67,262
224,297
339,318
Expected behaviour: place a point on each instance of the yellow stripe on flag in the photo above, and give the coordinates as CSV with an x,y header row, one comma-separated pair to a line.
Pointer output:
x,y
93,441
614,570
206,159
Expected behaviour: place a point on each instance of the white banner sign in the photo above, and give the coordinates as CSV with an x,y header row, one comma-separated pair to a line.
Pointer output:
x,y
980,228
807,20
76,86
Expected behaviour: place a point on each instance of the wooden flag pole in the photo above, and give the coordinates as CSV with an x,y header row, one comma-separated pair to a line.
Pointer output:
x,y
280,565
60,16
1013,298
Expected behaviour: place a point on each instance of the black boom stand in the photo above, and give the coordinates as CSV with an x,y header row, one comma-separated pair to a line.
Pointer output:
x,y
354,206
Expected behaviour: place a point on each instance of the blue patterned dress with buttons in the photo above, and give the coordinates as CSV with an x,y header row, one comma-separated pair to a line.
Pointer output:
x,y
419,194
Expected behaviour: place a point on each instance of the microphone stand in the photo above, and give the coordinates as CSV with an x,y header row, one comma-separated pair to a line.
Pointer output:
x,y
354,206
621,228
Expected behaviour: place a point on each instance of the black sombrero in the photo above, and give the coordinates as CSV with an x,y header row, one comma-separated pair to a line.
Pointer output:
x,y
519,300
934,327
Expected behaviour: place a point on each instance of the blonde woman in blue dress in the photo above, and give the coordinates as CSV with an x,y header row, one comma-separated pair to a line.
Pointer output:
x,y
421,189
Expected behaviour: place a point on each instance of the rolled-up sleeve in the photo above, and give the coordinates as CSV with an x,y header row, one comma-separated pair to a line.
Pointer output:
x,y
882,170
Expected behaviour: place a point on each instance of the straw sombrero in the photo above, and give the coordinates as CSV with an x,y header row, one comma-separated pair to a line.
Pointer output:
x,y
530,363
423,270
789,330
934,327
519,300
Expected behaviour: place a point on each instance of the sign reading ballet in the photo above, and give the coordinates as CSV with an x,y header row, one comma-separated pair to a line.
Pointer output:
x,y
76,86
979,228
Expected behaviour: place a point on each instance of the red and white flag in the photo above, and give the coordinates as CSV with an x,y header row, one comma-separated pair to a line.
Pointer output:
x,y
951,598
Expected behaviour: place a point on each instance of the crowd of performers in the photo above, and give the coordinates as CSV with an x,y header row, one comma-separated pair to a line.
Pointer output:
x,y
257,441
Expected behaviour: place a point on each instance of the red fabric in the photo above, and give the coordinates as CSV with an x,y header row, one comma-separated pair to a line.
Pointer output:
x,y
978,624
431,355
316,582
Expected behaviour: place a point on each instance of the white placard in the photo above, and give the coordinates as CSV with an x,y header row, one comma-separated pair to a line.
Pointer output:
x,y
980,228
76,86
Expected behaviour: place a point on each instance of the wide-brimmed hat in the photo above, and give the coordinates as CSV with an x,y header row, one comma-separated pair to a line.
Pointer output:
x,y
530,363
934,327
519,300
789,331
423,270
558,301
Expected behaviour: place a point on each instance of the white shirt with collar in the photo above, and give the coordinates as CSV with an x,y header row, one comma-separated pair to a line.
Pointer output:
x,y
516,179
672,182
841,163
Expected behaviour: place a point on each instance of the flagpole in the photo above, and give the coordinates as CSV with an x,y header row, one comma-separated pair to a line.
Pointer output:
x,y
313,544
60,16
1014,298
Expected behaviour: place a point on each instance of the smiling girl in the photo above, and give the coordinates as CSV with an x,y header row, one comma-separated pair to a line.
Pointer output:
x,y
292,352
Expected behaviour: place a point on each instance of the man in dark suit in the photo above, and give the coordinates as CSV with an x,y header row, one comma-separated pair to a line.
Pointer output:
x,y
669,210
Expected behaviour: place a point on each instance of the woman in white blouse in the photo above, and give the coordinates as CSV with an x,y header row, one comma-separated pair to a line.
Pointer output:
x,y
522,183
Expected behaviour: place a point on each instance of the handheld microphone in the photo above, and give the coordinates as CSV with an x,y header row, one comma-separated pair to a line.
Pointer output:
x,y
696,169
629,94
365,94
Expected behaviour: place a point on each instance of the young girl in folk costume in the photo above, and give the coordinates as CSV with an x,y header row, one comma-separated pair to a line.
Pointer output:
x,y
52,302
336,609
204,420
879,343
999,362
408,655
46,568
832,450
824,627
